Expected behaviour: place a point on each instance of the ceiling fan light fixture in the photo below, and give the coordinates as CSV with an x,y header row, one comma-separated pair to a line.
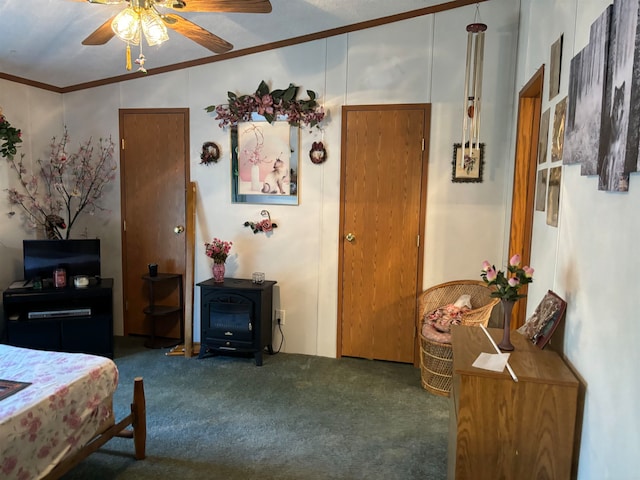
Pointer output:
x,y
126,26
153,27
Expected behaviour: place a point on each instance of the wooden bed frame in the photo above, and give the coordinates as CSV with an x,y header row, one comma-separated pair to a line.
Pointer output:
x,y
137,419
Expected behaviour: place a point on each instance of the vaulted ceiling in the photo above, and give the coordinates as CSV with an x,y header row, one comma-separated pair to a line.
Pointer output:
x,y
40,40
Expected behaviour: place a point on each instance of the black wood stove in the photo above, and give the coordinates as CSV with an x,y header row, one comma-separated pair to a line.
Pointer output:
x,y
235,316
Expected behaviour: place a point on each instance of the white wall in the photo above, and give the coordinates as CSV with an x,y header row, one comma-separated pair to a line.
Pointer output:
x,y
415,61
39,115
590,261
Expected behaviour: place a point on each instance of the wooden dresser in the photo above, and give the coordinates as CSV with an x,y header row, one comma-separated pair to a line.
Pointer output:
x,y
501,429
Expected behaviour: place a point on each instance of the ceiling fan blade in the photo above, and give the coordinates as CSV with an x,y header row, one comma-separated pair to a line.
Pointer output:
x,y
100,35
197,34
239,6
106,2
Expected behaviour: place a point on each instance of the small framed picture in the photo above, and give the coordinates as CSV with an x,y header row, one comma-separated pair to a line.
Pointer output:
x,y
545,319
467,166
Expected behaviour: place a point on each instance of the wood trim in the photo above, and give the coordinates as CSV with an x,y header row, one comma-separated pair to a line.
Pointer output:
x,y
524,179
189,269
441,7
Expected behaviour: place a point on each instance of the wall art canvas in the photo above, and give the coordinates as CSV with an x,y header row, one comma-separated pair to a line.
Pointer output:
x,y
543,137
541,190
622,78
555,67
557,136
553,196
584,117
264,161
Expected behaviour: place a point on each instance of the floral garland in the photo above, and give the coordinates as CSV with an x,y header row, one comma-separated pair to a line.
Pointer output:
x,y
9,136
271,105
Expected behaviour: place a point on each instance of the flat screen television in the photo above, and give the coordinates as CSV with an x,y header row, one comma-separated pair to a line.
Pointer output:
x,y
76,256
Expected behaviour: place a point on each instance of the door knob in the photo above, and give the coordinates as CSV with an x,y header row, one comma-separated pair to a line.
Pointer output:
x,y
350,237
178,229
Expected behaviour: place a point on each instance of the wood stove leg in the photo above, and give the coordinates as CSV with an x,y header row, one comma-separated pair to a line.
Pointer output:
x,y
258,356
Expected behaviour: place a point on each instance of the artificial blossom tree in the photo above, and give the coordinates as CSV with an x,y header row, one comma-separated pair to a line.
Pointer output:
x,y
65,185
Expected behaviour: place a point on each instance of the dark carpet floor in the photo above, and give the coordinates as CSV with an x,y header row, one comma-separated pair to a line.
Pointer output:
x,y
295,417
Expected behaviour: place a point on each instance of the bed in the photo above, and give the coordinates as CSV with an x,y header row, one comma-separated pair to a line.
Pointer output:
x,y
57,408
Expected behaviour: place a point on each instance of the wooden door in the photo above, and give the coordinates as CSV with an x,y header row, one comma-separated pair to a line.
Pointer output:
x,y
154,177
383,191
524,181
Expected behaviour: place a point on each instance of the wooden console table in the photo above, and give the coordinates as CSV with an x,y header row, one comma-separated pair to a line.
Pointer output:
x,y
499,428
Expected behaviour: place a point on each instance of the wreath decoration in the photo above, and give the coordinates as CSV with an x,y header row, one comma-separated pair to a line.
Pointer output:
x,y
210,153
317,154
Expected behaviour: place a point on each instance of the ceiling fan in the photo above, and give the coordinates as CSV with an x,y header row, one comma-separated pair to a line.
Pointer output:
x,y
144,16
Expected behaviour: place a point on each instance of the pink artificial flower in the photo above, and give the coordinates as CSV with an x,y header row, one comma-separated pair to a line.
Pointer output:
x,y
528,272
491,274
486,266
513,281
515,260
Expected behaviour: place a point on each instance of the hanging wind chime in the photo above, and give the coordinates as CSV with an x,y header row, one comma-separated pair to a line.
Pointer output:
x,y
472,92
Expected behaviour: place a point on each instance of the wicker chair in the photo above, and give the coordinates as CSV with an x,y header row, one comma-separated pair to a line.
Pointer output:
x,y
436,357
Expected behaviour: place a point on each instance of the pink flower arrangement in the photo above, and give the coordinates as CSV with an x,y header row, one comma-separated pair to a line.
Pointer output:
x,y
218,250
507,285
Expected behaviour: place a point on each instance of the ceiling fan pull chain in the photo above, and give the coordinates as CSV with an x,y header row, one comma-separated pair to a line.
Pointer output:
x,y
128,57
140,60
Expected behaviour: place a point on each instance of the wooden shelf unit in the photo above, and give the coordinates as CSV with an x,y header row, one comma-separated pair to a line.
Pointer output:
x,y
155,311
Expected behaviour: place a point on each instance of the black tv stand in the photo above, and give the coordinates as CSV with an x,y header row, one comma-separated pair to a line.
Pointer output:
x,y
66,319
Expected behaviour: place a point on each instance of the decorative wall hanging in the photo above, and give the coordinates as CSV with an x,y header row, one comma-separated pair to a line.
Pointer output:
x,y
264,163
587,75
468,167
541,190
555,67
471,107
543,137
318,153
603,111
265,225
553,196
275,105
210,153
557,139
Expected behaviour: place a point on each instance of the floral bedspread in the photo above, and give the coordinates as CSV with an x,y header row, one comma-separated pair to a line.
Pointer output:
x,y
66,405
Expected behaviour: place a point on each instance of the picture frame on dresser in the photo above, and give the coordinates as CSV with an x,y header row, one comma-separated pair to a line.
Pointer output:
x,y
541,325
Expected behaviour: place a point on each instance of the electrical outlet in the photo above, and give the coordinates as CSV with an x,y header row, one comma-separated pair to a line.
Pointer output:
x,y
280,316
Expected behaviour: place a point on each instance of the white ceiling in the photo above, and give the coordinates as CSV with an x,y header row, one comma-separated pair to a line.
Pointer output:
x,y
40,40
